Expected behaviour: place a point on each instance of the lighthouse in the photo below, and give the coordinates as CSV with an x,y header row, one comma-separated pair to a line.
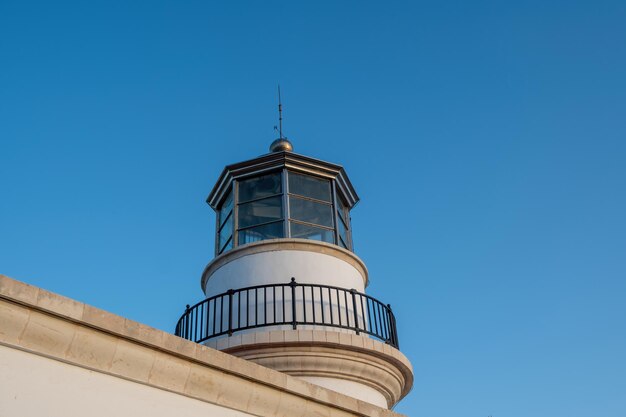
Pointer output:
x,y
286,290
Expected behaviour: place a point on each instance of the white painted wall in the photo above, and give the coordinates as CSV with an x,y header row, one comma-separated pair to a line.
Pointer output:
x,y
277,267
32,385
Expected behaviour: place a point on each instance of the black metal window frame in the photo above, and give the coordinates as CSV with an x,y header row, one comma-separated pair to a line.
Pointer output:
x,y
342,214
286,218
238,203
289,194
221,223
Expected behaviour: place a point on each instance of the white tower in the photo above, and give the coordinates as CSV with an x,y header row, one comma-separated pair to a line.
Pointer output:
x,y
285,289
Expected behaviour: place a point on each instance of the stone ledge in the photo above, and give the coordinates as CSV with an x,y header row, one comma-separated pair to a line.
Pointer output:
x,y
345,339
329,354
50,325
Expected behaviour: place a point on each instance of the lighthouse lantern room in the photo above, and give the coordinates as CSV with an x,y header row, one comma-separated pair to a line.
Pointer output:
x,y
282,195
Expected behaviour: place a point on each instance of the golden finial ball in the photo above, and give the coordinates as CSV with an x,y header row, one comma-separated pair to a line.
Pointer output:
x,y
281,145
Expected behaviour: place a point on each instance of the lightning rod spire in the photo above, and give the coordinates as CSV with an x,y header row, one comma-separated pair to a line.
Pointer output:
x,y
281,144
280,115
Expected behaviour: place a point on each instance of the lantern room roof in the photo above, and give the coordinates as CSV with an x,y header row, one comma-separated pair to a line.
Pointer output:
x,y
278,160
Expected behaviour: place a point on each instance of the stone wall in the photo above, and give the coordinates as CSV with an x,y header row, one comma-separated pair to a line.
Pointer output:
x,y
59,357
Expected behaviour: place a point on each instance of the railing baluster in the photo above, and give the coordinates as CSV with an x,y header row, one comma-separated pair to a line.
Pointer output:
x,y
214,314
368,323
384,330
221,314
274,303
345,302
200,327
380,320
322,305
338,305
304,302
284,318
239,310
293,284
330,302
362,312
356,315
395,342
256,307
205,329
191,323
313,303
375,327
230,312
187,335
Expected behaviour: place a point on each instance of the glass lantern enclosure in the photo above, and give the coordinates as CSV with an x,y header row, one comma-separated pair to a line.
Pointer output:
x,y
282,204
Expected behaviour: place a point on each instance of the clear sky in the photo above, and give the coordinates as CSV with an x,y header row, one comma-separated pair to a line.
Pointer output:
x,y
487,141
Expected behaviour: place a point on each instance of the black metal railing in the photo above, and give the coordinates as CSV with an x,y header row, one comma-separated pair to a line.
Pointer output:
x,y
290,304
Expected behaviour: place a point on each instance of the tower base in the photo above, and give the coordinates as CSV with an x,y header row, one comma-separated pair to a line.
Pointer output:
x,y
351,364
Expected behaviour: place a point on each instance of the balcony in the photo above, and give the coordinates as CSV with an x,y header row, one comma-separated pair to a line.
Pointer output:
x,y
288,305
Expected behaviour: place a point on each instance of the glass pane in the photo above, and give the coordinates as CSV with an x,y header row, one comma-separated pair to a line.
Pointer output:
x,y
342,209
303,231
226,232
343,232
260,211
267,231
226,207
308,186
310,211
227,219
228,246
259,187
342,244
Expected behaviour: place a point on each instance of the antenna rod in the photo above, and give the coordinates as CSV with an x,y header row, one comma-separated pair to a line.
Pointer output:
x,y
280,115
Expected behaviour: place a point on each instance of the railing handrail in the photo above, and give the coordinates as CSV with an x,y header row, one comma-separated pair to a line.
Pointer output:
x,y
343,308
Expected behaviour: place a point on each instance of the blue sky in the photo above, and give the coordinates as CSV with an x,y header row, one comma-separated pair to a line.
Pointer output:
x,y
486,140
